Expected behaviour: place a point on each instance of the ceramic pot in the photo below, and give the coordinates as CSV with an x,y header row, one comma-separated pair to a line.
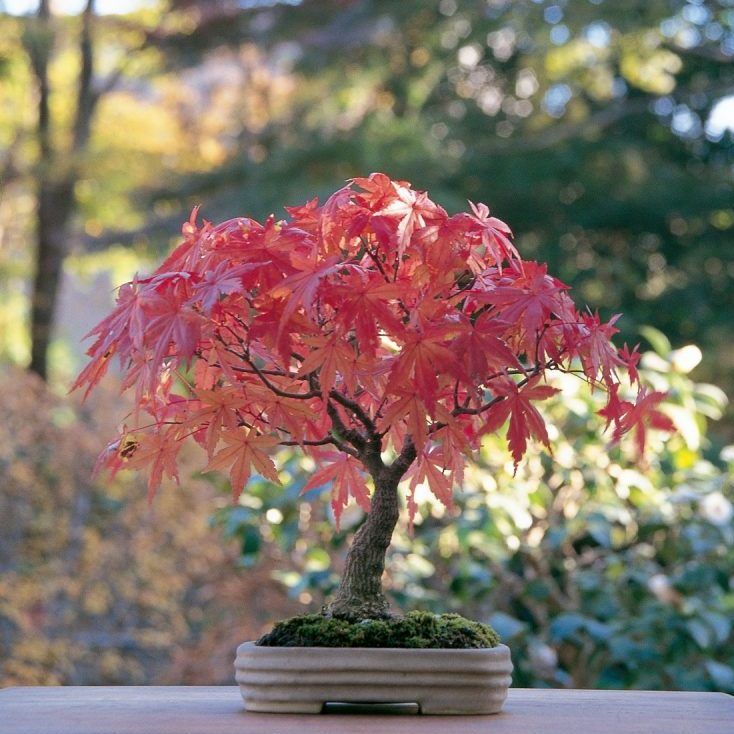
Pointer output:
x,y
303,679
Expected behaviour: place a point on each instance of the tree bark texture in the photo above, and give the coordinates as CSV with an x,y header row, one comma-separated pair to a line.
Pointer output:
x,y
360,594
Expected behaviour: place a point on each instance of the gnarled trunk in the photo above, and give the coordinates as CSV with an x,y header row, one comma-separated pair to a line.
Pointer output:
x,y
360,594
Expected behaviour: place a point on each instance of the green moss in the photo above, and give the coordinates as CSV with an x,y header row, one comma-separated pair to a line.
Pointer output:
x,y
415,629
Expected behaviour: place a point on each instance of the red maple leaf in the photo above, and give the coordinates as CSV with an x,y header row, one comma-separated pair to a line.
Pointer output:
x,y
366,305
155,451
525,420
630,358
221,280
214,411
407,413
642,415
482,349
425,355
594,347
299,290
494,235
526,298
171,321
411,208
346,476
430,468
330,357
245,450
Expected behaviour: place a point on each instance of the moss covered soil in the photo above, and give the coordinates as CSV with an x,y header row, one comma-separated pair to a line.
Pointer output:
x,y
414,630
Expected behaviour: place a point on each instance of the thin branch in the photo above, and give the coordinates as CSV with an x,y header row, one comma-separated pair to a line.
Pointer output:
x,y
357,410
350,434
276,390
263,378
324,442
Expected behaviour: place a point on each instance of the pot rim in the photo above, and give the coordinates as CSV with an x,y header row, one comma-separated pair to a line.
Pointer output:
x,y
500,649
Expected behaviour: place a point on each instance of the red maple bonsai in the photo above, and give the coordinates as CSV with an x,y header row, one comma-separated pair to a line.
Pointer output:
x,y
376,332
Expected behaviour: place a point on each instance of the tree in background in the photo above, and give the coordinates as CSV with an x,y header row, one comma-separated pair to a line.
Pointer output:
x,y
57,167
70,74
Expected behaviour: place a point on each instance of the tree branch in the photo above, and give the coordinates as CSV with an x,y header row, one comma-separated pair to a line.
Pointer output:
x,y
358,412
406,457
350,434
324,442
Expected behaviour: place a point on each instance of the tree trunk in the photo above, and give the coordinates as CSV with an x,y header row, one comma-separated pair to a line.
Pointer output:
x,y
55,202
360,594
57,175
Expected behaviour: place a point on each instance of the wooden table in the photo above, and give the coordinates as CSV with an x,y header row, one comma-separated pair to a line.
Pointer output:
x,y
219,710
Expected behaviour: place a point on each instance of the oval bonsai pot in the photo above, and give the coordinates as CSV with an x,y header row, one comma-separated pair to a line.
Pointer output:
x,y
440,681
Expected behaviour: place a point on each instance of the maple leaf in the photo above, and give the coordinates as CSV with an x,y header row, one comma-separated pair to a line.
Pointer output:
x,y
170,320
525,298
346,476
307,215
423,357
455,439
430,468
364,305
630,359
297,417
93,371
189,251
219,357
331,356
494,235
155,451
525,420
595,348
299,290
411,208
641,415
615,408
217,411
121,332
219,281
482,350
378,190
408,408
245,449
340,221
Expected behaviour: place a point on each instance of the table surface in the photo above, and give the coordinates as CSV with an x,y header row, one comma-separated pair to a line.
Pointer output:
x,y
219,710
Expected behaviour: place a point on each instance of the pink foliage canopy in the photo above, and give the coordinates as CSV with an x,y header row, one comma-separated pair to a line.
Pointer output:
x,y
375,322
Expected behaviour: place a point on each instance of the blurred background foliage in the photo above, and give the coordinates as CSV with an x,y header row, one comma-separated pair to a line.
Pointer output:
x,y
601,131
96,587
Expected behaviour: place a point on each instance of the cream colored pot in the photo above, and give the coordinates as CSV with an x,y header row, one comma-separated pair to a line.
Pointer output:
x,y
303,679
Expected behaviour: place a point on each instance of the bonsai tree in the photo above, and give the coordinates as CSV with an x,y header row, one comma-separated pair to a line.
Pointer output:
x,y
375,332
